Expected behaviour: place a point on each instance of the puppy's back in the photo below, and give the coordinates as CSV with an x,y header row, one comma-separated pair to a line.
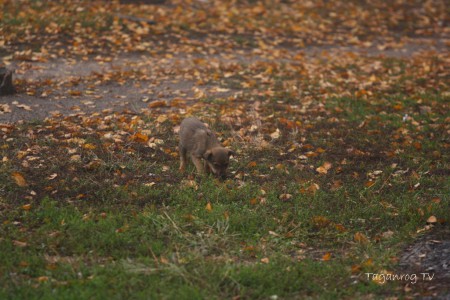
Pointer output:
x,y
195,136
189,127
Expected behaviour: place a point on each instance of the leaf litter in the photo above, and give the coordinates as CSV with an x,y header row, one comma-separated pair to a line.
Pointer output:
x,y
273,74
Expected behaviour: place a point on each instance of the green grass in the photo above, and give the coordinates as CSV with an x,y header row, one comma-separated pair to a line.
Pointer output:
x,y
130,226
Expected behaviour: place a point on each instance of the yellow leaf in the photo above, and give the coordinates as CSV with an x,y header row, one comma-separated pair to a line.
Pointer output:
x,y
208,206
161,118
89,146
20,180
320,221
368,262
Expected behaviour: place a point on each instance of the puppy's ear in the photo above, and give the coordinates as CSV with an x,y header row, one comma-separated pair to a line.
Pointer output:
x,y
231,153
208,155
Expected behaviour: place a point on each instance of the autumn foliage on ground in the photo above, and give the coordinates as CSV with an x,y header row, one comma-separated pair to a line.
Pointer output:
x,y
337,112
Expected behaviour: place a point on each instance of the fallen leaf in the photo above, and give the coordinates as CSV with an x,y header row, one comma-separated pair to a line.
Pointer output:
x,y
432,220
320,221
326,256
360,238
285,197
42,278
26,207
20,180
155,104
140,138
387,234
53,176
251,164
276,134
20,244
161,118
208,206
89,146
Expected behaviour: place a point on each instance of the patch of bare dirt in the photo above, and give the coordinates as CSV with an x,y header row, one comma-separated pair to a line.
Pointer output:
x,y
429,258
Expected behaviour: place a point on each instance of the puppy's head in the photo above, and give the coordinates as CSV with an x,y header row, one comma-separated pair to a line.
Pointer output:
x,y
218,158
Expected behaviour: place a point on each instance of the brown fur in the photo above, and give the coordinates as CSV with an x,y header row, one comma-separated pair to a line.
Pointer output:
x,y
200,143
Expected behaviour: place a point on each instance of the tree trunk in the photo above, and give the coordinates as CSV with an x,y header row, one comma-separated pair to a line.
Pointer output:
x,y
6,84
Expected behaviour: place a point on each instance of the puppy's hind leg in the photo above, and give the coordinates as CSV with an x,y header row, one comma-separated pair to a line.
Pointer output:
x,y
183,159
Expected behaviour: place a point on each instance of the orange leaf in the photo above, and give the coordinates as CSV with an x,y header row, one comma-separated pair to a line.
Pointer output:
x,y
20,180
26,207
252,164
369,183
417,145
356,269
340,227
265,260
139,137
253,201
321,170
432,220
208,206
155,104
368,262
326,256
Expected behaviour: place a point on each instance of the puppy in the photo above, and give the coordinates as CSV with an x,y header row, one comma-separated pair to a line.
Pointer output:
x,y
199,142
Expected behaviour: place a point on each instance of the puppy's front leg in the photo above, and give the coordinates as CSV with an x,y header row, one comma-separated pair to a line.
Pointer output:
x,y
198,164
206,167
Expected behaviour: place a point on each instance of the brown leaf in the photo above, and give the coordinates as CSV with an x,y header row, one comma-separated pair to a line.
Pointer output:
x,y
265,260
285,197
360,238
19,244
320,221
